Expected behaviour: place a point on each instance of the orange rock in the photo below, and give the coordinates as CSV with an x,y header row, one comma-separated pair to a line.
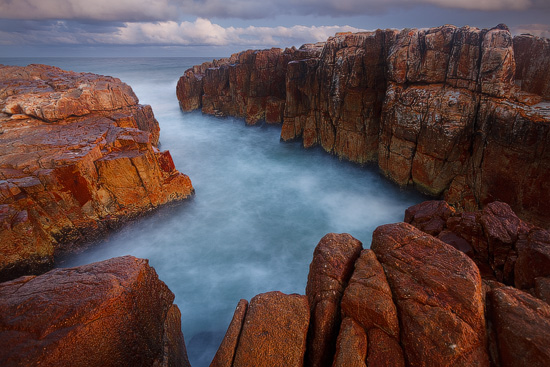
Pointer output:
x,y
274,331
429,216
226,352
329,272
531,54
83,159
368,298
438,294
351,347
111,313
436,108
522,327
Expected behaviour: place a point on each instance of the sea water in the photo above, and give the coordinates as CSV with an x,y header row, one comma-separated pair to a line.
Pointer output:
x,y
260,208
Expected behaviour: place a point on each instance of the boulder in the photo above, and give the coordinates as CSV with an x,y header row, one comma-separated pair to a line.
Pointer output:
x,y
226,352
274,331
110,313
329,272
438,295
522,326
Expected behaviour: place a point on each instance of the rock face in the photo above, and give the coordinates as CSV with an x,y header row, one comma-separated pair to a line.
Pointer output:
x,y
78,155
271,331
504,247
449,110
111,313
413,299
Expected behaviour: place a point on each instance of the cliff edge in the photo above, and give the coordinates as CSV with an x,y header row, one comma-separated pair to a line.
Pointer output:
x,y
78,155
461,113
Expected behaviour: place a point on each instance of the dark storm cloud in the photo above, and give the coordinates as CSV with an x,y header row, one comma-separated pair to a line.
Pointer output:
x,y
103,10
145,10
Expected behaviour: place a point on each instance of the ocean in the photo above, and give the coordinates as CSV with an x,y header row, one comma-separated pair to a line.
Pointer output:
x,y
261,205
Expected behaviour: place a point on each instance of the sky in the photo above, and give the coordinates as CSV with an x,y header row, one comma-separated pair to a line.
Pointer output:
x,y
117,28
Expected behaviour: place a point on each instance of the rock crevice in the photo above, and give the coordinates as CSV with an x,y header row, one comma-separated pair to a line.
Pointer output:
x,y
429,292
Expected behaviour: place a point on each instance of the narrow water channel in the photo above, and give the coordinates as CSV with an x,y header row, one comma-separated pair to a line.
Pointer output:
x,y
260,207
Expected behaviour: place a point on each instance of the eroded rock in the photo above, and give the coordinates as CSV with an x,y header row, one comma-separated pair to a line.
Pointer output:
x,y
460,112
78,158
110,313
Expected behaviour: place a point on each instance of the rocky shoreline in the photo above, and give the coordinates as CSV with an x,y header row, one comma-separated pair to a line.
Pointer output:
x,y
442,288
449,110
78,156
454,111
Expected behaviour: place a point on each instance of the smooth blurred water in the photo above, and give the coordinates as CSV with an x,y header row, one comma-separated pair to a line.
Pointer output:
x,y
260,208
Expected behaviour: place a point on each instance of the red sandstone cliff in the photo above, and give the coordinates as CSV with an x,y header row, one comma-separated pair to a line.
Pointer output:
x,y
458,112
78,155
460,289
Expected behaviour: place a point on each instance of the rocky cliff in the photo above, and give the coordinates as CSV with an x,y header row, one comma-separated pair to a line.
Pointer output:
x,y
457,112
78,155
111,313
446,288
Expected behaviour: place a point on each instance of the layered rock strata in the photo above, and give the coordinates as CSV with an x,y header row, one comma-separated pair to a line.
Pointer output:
x,y
111,313
78,155
416,298
459,112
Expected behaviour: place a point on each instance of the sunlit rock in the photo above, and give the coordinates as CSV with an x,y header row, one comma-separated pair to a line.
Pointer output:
x,y
110,313
456,112
79,157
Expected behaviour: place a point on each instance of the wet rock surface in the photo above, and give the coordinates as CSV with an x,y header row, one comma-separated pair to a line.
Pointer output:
x,y
449,110
78,156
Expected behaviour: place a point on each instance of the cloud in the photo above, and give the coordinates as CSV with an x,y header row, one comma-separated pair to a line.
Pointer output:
x,y
252,9
163,10
101,10
204,32
539,30
201,32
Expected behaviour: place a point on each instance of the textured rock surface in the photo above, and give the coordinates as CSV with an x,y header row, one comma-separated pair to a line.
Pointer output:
x,y
226,352
329,272
274,331
78,155
111,313
438,294
449,110
522,326
412,299
504,247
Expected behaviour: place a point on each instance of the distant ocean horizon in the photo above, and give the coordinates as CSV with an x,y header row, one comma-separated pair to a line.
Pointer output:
x,y
261,205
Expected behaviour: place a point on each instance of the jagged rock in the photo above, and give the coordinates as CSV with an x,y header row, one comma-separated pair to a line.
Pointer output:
x,y
274,331
429,216
226,352
438,295
412,300
329,272
503,246
533,261
368,301
111,313
532,58
351,346
78,155
522,326
459,112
